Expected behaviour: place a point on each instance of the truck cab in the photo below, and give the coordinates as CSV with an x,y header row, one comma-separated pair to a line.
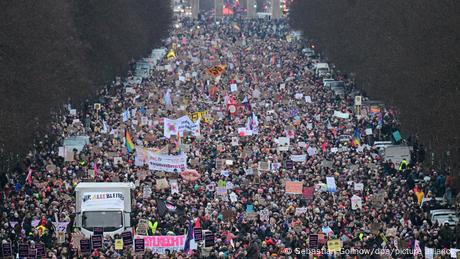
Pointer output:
x,y
321,69
106,205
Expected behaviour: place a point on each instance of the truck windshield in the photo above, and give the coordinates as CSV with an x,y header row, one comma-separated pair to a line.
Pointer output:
x,y
109,220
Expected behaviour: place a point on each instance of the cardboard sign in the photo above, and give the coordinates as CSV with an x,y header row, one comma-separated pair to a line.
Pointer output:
x,y
96,242
294,187
198,234
139,245
40,249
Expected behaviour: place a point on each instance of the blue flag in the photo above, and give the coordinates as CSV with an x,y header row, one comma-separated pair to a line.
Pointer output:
x,y
189,237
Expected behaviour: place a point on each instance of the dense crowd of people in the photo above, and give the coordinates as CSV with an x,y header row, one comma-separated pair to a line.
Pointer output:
x,y
278,97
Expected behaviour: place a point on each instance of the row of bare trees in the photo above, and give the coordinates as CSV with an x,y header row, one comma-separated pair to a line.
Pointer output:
x,y
405,53
52,50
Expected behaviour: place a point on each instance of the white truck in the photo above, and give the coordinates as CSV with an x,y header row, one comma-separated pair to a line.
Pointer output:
x,y
106,205
321,69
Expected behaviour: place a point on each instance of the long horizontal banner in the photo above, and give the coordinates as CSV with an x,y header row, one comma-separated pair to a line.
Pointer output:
x,y
160,162
184,123
167,163
102,200
159,244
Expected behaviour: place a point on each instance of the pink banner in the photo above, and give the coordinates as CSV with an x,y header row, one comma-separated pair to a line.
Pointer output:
x,y
158,244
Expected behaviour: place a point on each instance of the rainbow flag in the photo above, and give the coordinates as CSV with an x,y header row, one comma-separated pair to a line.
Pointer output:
x,y
356,138
129,142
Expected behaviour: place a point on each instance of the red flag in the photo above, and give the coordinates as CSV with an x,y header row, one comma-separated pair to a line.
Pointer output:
x,y
197,223
95,169
29,177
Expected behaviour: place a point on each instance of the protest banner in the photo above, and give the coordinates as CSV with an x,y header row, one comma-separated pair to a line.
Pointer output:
x,y
358,186
178,126
299,158
167,163
100,200
294,187
342,115
159,244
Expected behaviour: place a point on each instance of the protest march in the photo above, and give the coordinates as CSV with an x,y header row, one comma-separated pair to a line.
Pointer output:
x,y
236,148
